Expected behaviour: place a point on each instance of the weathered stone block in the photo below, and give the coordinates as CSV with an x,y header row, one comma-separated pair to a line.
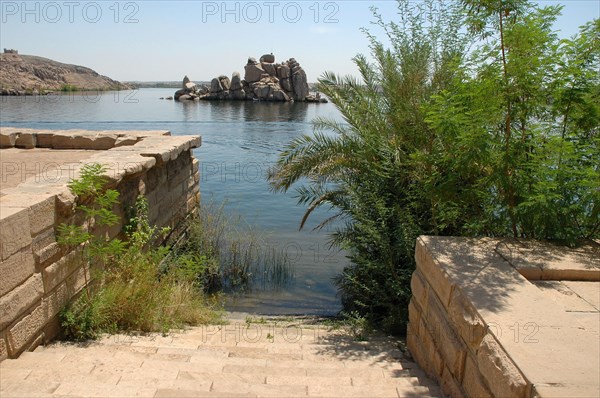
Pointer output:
x,y
3,348
450,346
179,179
473,383
76,281
126,140
18,300
419,288
44,139
16,269
45,248
466,321
195,165
26,141
434,274
40,205
450,386
7,140
501,374
42,213
55,301
56,273
415,347
431,352
15,232
26,330
414,315
52,329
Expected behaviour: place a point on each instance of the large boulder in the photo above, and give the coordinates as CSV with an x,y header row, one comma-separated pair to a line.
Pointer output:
x,y
270,58
225,82
215,86
263,91
253,72
286,84
283,72
179,93
203,89
186,80
190,86
270,69
300,85
236,82
279,95
238,94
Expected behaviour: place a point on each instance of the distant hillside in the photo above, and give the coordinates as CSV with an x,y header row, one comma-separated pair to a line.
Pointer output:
x,y
20,74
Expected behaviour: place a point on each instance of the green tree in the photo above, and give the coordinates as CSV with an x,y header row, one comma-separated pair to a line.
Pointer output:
x,y
485,131
369,166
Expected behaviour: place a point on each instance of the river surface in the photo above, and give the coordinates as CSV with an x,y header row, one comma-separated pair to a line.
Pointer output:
x,y
240,141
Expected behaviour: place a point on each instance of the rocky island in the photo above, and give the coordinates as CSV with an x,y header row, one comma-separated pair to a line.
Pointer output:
x,y
32,75
264,80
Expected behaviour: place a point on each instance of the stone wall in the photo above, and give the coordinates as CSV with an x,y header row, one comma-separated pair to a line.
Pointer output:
x,y
37,276
481,329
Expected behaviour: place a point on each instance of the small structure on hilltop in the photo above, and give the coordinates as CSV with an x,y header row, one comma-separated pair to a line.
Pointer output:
x,y
264,80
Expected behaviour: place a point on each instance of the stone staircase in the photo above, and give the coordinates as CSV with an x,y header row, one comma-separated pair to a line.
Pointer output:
x,y
274,357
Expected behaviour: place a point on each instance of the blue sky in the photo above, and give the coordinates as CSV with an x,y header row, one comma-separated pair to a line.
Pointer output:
x,y
160,40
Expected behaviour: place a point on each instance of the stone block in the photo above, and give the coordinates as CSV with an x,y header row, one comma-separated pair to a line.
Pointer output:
x,y
45,249
57,272
414,315
22,334
26,140
195,165
38,341
179,179
569,390
7,140
52,329
473,382
42,213
3,348
500,373
16,269
450,346
450,386
19,300
44,139
465,320
41,208
126,140
15,232
434,274
83,140
430,351
55,301
76,281
419,288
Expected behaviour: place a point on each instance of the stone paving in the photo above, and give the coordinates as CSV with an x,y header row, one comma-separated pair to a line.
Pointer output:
x,y
246,358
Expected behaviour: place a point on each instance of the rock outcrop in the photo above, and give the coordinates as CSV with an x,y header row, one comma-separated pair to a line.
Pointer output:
x,y
28,74
264,80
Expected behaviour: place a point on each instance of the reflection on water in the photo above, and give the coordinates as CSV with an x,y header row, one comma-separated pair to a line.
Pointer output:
x,y
240,141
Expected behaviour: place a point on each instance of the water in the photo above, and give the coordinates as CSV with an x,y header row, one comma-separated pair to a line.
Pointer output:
x,y
240,141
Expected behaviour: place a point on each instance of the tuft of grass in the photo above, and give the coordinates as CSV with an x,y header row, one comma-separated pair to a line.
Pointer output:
x,y
130,293
226,253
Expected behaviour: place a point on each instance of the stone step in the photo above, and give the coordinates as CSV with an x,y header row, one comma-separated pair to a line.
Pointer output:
x,y
205,362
